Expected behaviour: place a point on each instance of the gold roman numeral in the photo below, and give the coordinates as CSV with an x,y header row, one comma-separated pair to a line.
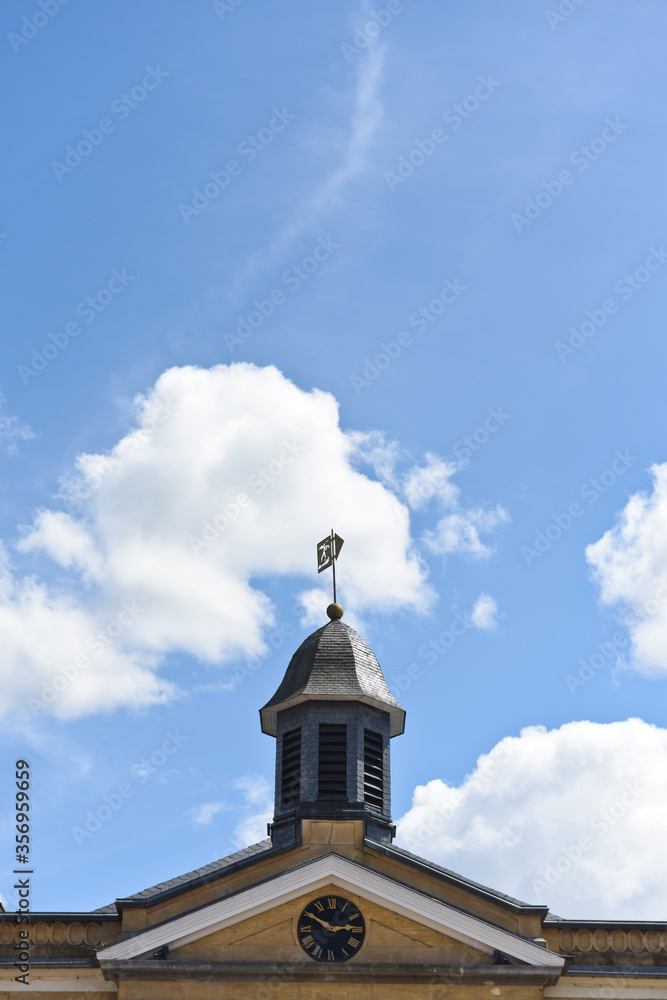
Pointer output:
x,y
330,956
308,941
319,905
305,929
332,902
317,951
353,942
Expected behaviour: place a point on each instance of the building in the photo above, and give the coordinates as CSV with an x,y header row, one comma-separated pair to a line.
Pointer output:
x,y
327,905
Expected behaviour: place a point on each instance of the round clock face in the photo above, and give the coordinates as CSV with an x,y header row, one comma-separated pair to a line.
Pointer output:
x,y
331,929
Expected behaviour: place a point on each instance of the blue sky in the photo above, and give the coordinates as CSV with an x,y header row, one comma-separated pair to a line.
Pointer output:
x,y
442,226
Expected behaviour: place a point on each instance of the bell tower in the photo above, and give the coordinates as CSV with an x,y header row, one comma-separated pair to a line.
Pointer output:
x,y
333,717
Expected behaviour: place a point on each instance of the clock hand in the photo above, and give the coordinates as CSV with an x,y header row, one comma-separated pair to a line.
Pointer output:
x,y
323,922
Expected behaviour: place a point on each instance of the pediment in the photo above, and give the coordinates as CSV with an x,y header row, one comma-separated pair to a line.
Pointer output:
x,y
402,921
390,937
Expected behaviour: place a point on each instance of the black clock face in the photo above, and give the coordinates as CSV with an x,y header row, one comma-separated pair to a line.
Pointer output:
x,y
331,929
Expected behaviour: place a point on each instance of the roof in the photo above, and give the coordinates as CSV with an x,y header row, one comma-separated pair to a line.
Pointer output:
x,y
455,879
333,664
191,879
249,855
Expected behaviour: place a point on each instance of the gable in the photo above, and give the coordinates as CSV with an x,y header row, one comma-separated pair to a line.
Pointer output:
x,y
389,937
348,878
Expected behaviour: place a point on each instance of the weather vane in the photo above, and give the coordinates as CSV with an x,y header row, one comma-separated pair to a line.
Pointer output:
x,y
328,551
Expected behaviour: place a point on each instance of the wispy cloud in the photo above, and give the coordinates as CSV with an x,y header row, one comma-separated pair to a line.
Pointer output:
x,y
365,119
203,815
11,430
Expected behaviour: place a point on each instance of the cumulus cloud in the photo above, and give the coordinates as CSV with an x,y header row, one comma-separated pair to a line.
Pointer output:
x,y
629,563
230,475
66,659
574,817
484,612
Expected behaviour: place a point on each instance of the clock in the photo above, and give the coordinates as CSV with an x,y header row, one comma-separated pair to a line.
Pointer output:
x,y
331,929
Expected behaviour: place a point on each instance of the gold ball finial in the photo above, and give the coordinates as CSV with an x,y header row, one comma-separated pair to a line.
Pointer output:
x,y
335,611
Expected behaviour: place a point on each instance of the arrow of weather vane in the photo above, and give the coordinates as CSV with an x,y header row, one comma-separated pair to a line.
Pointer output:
x,y
328,551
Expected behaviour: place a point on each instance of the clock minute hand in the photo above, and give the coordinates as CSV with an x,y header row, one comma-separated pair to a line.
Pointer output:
x,y
323,922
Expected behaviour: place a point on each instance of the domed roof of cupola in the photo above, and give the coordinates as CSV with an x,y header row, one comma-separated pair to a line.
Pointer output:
x,y
333,664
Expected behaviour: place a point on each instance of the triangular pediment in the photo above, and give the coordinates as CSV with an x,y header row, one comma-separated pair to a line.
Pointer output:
x,y
402,918
389,937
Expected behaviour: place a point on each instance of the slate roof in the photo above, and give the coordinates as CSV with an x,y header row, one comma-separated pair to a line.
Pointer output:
x,y
333,664
250,854
455,879
191,879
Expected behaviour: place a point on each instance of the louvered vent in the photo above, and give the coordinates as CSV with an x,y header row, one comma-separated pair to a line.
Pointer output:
x,y
332,762
290,788
373,769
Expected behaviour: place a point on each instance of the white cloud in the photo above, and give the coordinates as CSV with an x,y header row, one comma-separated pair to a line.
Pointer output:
x,y
433,479
484,612
460,531
459,528
629,563
67,542
258,803
351,155
574,817
203,815
12,430
231,473
68,660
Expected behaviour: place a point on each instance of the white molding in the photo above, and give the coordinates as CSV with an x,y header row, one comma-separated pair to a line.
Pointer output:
x,y
606,987
332,869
